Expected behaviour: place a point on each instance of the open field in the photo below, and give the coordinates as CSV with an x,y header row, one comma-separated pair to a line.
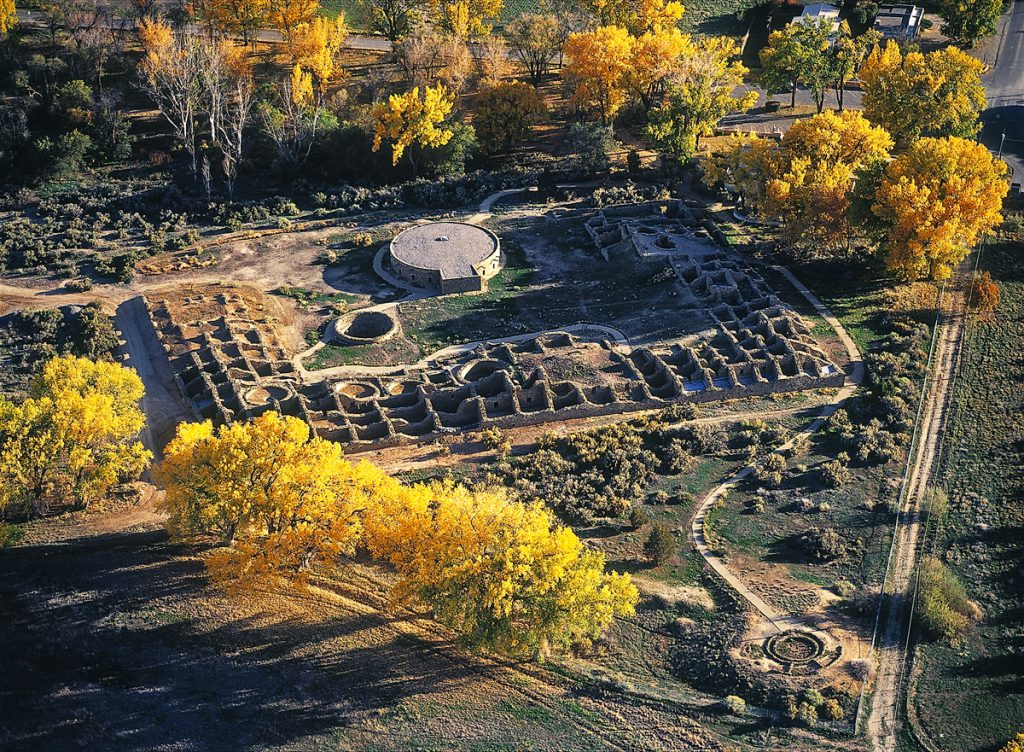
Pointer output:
x,y
970,697
118,643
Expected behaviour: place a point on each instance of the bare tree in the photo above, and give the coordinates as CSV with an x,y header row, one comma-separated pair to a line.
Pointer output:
x,y
427,56
172,75
535,40
230,93
492,56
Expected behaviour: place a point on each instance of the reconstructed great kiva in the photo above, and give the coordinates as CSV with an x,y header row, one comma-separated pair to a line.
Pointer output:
x,y
448,256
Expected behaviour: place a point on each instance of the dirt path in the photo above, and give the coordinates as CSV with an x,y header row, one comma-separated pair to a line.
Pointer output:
x,y
697,525
893,633
162,402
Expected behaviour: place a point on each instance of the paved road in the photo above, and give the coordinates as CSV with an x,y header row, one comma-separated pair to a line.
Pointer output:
x,y
1005,87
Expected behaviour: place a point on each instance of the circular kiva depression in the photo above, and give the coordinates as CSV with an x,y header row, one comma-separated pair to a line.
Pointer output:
x,y
479,369
366,327
357,389
448,256
794,647
261,395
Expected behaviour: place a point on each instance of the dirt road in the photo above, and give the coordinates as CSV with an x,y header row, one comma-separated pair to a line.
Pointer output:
x,y
893,633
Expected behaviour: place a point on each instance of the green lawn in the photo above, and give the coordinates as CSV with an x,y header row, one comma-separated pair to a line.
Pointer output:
x,y
970,697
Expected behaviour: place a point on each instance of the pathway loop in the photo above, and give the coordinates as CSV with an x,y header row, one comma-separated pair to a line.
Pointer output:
x,y
781,622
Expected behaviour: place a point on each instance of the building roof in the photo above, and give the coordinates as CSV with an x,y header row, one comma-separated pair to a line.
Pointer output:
x,y
820,10
819,13
452,248
900,21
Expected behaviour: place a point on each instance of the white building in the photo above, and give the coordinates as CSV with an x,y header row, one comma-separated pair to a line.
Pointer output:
x,y
820,13
899,22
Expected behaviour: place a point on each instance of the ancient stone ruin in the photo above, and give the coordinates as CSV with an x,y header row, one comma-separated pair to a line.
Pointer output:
x,y
229,361
651,229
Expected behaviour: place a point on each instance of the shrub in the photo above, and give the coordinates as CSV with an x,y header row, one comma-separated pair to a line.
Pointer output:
x,y
704,439
860,669
808,714
823,544
936,504
362,240
844,588
660,545
833,710
735,705
588,474
9,534
813,696
942,604
679,412
676,457
984,293
82,284
496,440
638,517
834,473
770,471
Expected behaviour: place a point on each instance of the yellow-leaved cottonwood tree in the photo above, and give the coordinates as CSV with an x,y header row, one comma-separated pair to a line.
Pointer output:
x,y
72,437
501,573
935,94
409,120
317,46
807,180
287,15
935,201
280,502
636,16
596,66
8,16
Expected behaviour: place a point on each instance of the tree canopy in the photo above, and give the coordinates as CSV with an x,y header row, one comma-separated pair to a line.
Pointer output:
x,y
935,201
503,574
409,120
967,22
699,96
72,437
934,94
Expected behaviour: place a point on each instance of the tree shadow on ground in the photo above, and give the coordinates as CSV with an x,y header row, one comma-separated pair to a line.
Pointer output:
x,y
102,649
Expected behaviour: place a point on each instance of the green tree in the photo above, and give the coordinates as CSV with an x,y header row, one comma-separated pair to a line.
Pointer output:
x,y
66,156
660,546
847,53
787,56
701,96
592,144
967,22
505,112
